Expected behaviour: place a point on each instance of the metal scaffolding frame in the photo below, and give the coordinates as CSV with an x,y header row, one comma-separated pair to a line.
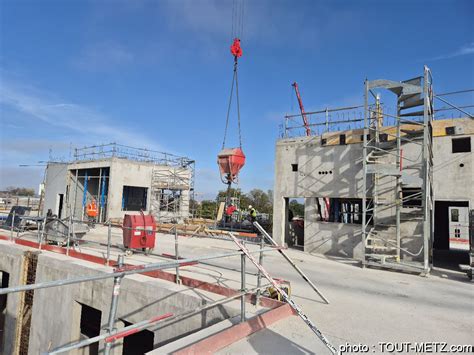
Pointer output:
x,y
383,161
180,176
323,121
112,150
177,180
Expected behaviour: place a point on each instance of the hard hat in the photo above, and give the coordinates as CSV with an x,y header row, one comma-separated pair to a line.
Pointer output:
x,y
250,206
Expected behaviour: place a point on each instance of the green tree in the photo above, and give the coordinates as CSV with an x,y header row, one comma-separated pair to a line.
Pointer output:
x,y
297,208
237,193
207,209
20,191
260,200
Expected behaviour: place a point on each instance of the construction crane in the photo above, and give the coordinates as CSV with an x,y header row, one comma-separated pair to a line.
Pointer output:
x,y
303,113
232,159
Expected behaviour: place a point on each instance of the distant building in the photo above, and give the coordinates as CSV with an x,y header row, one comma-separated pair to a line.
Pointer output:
x,y
121,180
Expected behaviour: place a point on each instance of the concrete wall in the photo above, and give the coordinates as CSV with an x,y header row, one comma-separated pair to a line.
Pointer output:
x,y
76,190
337,171
453,173
11,261
122,172
337,239
56,311
127,173
332,171
55,183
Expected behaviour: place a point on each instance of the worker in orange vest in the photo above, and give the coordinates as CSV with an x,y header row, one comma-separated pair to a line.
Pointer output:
x,y
92,209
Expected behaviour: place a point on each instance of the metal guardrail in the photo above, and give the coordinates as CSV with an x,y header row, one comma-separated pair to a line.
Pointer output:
x,y
121,271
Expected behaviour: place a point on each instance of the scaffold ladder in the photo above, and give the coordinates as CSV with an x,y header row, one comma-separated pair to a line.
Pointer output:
x,y
285,296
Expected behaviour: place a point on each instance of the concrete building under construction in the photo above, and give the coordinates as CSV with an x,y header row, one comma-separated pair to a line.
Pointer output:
x,y
121,179
390,190
387,192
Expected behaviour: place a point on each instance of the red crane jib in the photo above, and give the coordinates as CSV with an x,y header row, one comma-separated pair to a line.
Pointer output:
x,y
303,113
235,48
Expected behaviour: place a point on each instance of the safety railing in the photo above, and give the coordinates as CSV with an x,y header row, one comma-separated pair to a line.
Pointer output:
x,y
121,270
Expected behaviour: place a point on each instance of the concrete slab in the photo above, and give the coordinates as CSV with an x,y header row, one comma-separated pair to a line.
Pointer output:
x,y
367,305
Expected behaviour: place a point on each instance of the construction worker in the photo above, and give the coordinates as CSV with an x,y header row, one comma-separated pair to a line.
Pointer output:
x,y
253,213
92,210
229,211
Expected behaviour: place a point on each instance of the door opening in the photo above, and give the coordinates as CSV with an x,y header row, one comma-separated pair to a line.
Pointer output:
x,y
4,282
294,222
90,326
451,234
138,343
60,205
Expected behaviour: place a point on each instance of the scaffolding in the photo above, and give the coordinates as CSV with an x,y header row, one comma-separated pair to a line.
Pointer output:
x,y
172,181
387,173
167,189
114,150
324,121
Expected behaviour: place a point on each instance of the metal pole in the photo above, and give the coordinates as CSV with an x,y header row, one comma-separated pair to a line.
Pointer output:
x,y
42,232
453,106
398,181
137,269
147,323
364,174
426,157
39,226
84,195
260,261
73,235
176,252
68,240
110,337
327,120
109,239
12,226
285,296
75,194
292,263
113,305
242,287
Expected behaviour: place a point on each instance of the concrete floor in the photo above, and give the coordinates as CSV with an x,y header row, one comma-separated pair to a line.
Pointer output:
x,y
368,306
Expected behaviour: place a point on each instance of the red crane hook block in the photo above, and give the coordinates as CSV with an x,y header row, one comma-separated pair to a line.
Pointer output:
x,y
235,48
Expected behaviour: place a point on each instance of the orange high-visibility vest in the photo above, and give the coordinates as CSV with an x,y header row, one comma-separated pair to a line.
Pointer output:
x,y
92,209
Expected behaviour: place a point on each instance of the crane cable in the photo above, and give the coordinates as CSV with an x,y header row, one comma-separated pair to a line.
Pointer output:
x,y
236,82
238,9
237,30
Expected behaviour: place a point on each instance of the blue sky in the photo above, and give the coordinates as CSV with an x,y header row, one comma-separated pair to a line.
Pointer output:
x,y
157,74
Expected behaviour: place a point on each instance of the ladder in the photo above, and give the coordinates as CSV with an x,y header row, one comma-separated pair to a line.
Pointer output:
x,y
397,187
285,296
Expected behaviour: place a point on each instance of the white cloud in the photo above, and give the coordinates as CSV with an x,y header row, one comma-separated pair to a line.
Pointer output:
x,y
267,23
104,56
88,125
53,124
464,50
